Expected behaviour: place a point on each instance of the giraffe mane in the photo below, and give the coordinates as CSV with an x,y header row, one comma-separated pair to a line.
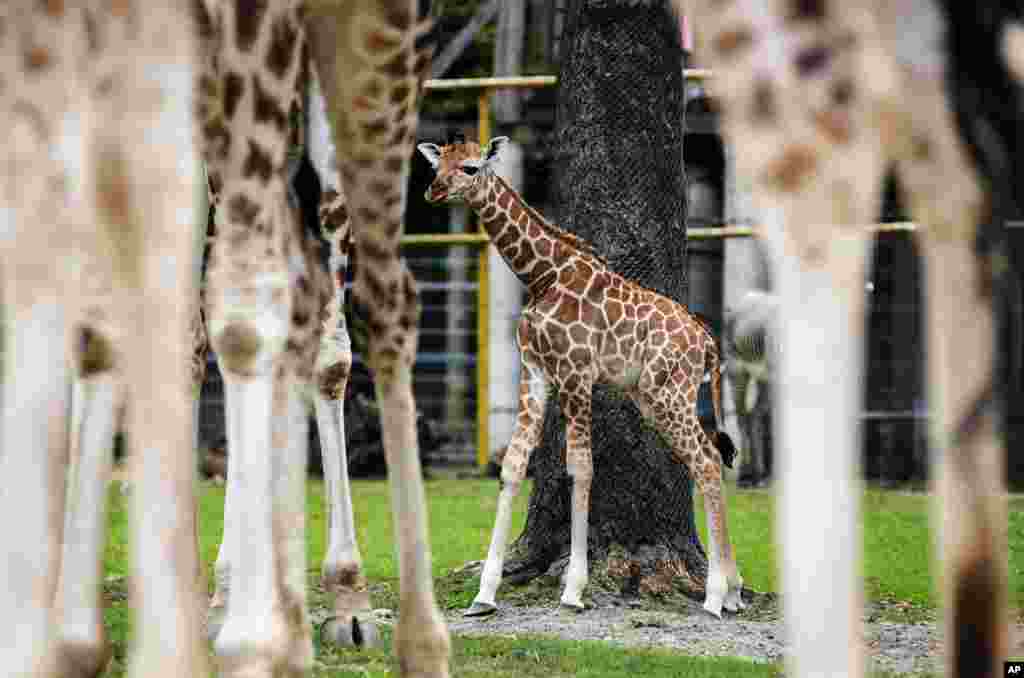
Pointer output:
x,y
557,232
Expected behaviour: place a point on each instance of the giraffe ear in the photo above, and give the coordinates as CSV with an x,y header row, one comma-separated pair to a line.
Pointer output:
x,y
432,153
494,148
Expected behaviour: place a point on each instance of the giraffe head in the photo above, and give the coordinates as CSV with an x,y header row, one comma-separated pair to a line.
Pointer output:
x,y
461,168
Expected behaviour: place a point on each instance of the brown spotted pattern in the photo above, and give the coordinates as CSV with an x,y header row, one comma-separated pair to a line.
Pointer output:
x,y
335,361
259,281
265,284
585,324
371,74
375,129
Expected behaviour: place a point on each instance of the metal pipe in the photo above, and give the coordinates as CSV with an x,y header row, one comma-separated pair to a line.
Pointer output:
x,y
696,233
428,239
483,303
525,81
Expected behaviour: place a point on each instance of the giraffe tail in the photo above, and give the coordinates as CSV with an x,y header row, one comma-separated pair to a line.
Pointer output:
x,y
722,441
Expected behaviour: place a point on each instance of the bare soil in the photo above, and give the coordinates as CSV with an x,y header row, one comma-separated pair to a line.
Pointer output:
x,y
755,633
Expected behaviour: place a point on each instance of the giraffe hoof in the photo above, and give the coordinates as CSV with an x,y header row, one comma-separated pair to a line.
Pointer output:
x,y
573,606
350,631
83,660
478,609
714,609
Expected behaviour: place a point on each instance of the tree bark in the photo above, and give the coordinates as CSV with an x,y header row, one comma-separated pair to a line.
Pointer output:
x,y
620,186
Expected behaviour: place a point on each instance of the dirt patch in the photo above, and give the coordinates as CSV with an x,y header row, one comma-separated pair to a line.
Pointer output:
x,y
756,633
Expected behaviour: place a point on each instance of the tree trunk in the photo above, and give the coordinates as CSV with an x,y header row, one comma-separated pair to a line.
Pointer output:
x,y
620,186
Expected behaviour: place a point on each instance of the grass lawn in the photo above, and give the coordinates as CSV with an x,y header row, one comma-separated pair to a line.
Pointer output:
x,y
461,517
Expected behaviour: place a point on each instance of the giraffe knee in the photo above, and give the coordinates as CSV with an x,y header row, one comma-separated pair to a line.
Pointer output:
x,y
242,349
95,352
334,365
513,467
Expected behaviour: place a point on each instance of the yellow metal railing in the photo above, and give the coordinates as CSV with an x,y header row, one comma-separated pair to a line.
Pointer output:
x,y
486,87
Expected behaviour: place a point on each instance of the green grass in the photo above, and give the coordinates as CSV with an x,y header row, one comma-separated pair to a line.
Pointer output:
x,y
535,657
896,569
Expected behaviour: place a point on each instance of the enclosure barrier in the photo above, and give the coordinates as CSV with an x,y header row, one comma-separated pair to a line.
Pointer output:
x,y
479,239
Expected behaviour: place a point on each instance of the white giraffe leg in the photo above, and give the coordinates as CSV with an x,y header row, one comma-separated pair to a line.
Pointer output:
x,y
289,480
821,332
153,161
533,394
351,622
34,436
490,577
581,470
81,636
41,166
342,544
222,565
254,575
716,586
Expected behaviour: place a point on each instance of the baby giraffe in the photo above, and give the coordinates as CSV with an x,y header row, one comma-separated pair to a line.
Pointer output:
x,y
585,324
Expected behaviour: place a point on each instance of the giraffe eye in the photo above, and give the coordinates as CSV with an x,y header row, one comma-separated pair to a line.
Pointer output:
x,y
470,170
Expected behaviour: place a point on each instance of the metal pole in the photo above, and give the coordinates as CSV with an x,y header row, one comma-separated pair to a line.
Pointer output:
x,y
483,303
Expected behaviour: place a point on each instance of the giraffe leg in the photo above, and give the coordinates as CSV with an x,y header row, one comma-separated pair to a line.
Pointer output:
x,y
969,518
144,172
676,420
250,304
39,230
222,564
576,408
291,441
722,555
533,394
370,70
83,649
34,444
351,621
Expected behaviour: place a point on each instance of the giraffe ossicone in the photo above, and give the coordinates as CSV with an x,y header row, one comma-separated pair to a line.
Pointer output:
x,y
585,324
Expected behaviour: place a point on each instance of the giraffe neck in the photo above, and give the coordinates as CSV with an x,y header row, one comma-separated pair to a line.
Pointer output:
x,y
533,247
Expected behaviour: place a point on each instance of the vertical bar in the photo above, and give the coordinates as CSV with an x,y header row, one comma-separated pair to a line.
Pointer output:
x,y
483,303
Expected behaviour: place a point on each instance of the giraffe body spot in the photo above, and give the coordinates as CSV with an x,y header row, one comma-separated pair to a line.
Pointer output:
x,y
568,310
813,60
37,59
577,283
834,126
266,109
730,42
283,40
613,309
790,171
258,163
578,333
248,19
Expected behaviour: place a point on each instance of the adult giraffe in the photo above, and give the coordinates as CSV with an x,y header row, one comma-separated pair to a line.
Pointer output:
x,y
822,96
99,99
